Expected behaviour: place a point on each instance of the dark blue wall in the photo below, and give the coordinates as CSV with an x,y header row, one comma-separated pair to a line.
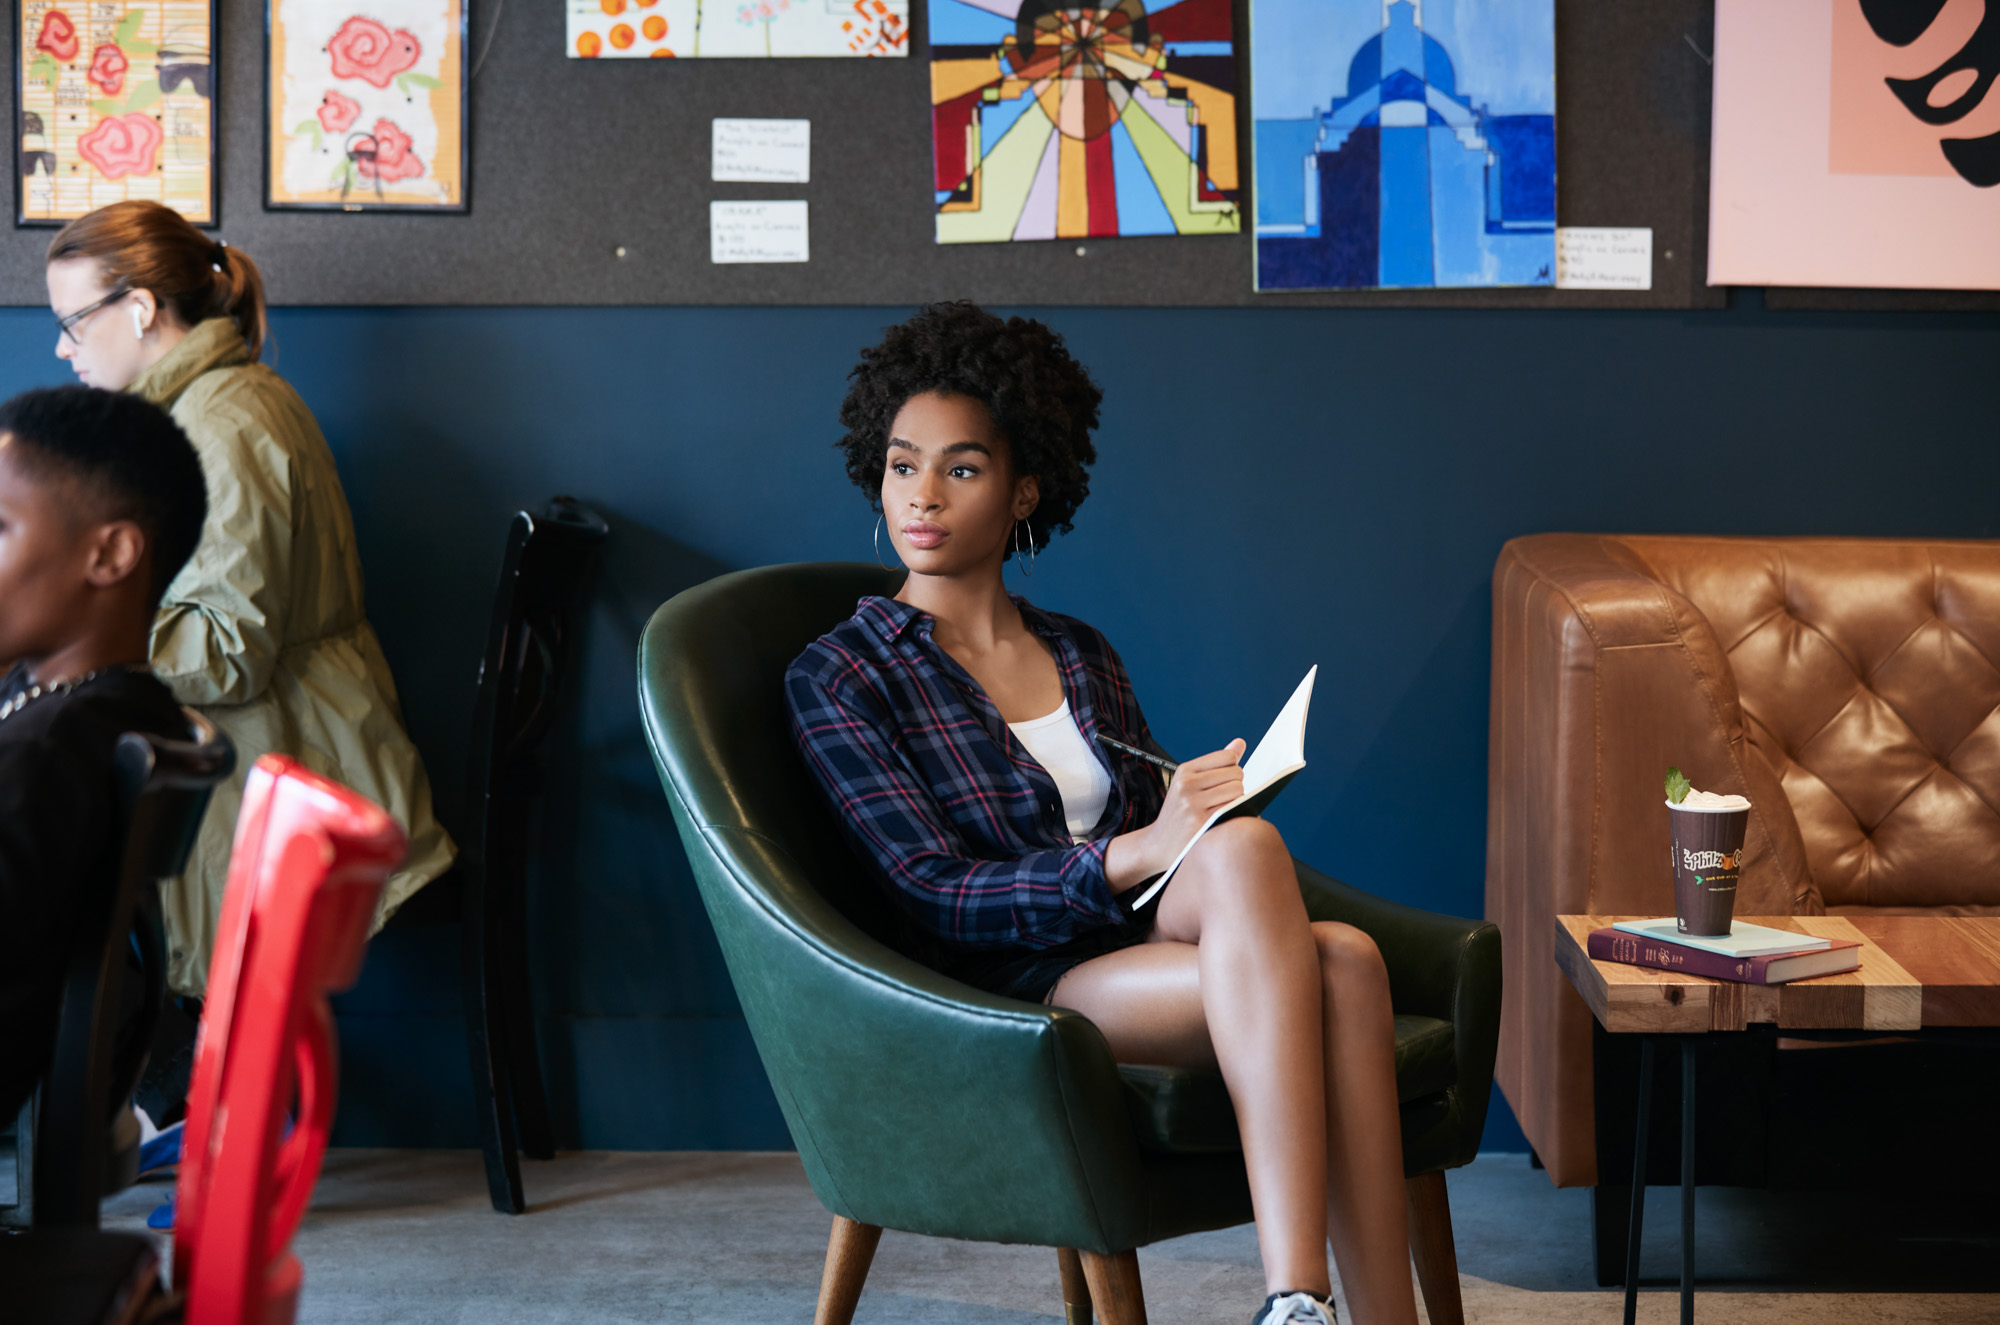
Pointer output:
x,y
1275,488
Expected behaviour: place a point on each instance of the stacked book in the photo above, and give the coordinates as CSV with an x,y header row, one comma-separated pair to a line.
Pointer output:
x,y
1751,954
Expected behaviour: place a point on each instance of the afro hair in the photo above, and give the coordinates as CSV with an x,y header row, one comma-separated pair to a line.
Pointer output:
x,y
1041,400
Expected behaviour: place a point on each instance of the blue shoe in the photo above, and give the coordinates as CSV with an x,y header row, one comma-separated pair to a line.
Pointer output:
x,y
162,1219
163,1151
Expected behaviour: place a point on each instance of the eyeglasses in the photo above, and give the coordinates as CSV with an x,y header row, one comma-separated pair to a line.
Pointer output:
x,y
66,326
173,75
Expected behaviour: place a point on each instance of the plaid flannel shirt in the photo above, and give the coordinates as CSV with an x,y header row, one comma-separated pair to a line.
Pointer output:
x,y
939,798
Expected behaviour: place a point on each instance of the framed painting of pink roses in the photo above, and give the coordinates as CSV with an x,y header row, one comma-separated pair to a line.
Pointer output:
x,y
116,103
365,105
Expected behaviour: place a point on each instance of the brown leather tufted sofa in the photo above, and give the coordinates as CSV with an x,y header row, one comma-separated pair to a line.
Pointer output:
x,y
1849,687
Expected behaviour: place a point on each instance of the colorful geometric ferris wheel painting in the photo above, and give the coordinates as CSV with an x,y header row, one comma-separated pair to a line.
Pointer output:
x,y
1054,119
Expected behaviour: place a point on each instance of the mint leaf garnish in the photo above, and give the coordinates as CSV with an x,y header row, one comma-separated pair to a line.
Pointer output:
x,y
1677,785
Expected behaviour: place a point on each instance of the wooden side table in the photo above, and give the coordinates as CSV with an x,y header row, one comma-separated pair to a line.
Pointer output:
x,y
1880,997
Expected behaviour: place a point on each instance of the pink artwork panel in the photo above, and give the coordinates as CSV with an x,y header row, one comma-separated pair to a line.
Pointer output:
x,y
1849,151
1845,157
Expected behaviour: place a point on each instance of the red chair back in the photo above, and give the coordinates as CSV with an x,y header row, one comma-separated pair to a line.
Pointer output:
x,y
306,870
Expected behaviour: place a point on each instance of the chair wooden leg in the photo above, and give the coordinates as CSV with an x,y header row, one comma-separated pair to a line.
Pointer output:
x,y
1075,1288
1114,1287
849,1252
1432,1249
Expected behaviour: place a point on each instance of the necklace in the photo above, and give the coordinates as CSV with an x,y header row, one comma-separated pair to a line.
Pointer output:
x,y
38,690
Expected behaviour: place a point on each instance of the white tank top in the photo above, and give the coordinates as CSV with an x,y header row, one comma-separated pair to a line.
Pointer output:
x,y
1057,744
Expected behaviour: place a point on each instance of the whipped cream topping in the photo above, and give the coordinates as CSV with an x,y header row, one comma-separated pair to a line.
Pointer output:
x,y
1709,800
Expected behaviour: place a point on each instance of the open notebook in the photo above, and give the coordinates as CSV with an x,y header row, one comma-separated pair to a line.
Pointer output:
x,y
1275,761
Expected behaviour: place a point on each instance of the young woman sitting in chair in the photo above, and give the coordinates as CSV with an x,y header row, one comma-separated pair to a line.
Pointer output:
x,y
955,728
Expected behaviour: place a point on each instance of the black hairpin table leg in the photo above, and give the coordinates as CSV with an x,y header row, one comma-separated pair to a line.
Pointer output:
x,y
1687,1181
1639,1179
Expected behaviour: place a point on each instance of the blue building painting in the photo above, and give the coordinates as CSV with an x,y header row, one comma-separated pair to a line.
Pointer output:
x,y
1404,143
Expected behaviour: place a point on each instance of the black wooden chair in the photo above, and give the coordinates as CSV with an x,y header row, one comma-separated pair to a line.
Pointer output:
x,y
550,561
62,1164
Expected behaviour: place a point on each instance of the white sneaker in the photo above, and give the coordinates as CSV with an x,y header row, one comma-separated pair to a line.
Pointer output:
x,y
1294,1309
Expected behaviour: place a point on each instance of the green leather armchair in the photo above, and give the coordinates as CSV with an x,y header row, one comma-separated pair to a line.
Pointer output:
x,y
921,1104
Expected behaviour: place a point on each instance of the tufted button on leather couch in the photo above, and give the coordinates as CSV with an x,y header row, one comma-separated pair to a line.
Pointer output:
x,y
1849,687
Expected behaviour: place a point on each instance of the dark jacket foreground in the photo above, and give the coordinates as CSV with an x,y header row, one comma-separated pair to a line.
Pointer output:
x,y
57,805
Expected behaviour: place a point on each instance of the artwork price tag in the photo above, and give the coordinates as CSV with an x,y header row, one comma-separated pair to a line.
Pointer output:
x,y
1604,258
757,232
761,152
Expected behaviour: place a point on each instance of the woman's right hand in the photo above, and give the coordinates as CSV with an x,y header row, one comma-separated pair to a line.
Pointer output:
x,y
1199,788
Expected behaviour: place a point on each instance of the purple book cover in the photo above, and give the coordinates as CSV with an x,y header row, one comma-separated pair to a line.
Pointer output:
x,y
1612,945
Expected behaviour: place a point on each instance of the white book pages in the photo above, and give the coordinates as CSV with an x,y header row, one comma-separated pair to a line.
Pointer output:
x,y
1280,754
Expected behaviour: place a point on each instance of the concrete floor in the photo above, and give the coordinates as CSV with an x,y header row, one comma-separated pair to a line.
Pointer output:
x,y
407,1236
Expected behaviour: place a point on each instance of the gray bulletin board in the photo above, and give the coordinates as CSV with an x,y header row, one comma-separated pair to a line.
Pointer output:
x,y
1813,299
589,183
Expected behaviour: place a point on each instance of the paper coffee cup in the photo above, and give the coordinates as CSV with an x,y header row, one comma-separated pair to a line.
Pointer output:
x,y
1708,860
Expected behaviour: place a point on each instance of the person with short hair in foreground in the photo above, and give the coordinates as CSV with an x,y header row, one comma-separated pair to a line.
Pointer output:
x,y
101,503
951,728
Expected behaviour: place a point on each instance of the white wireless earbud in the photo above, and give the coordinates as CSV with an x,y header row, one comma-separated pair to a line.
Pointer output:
x,y
138,325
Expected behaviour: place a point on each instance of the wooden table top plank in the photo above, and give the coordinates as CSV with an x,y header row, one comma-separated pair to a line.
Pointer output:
x,y
1955,958
1633,998
1881,995
1888,997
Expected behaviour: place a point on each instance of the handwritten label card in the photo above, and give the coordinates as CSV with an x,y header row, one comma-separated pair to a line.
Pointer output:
x,y
1603,258
757,232
761,152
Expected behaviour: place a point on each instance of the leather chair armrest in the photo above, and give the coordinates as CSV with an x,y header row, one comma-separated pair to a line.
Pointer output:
x,y
1424,950
1439,966
917,1102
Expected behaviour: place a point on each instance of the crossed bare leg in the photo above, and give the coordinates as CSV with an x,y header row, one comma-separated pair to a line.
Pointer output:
x,y
1296,1015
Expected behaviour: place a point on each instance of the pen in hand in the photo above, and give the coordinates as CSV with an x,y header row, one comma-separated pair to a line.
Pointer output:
x,y
1146,755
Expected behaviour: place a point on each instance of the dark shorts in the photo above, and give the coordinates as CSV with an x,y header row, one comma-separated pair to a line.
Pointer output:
x,y
1031,976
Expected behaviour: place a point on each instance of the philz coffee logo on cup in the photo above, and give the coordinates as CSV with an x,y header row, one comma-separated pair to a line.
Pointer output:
x,y
1711,860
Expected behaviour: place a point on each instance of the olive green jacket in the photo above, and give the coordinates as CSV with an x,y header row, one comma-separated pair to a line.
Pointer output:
x,y
263,630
